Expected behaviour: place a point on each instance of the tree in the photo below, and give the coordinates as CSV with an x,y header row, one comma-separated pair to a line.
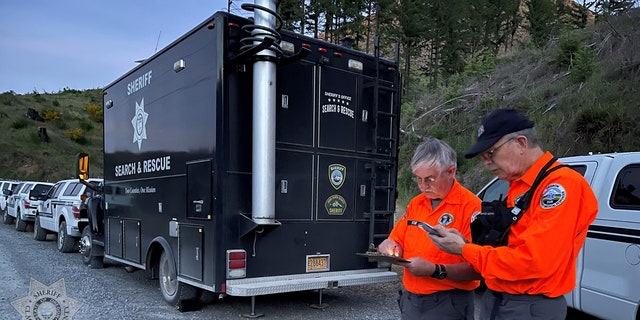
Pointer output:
x,y
411,26
542,19
293,15
579,13
609,7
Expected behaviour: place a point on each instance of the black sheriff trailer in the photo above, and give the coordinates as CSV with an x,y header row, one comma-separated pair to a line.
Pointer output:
x,y
246,160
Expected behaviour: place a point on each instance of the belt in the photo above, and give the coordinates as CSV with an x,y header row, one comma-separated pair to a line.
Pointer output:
x,y
439,293
518,297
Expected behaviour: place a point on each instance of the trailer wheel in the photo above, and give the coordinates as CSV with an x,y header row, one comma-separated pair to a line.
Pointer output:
x,y
66,243
173,290
21,225
39,233
86,250
6,218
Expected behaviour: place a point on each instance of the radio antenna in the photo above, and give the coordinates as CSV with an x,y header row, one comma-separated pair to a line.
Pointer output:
x,y
158,41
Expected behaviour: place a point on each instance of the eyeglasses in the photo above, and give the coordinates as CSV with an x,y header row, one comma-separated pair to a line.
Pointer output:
x,y
427,180
489,154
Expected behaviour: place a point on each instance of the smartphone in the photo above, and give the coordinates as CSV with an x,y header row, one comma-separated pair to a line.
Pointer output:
x,y
424,226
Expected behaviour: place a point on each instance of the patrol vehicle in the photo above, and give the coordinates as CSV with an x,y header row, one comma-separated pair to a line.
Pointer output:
x,y
608,267
59,212
23,203
246,160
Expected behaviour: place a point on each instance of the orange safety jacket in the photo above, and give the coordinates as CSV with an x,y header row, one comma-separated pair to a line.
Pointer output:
x,y
544,244
454,211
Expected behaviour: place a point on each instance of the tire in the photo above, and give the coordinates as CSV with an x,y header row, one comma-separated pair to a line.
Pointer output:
x,y
66,243
6,218
21,225
86,250
173,290
39,234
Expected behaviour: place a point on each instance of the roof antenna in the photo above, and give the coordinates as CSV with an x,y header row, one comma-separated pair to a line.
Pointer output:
x,y
158,41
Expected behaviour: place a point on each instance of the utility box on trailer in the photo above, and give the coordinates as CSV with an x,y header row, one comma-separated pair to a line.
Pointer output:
x,y
180,165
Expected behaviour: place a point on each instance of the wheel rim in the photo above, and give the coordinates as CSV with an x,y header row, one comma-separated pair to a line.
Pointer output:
x,y
61,235
85,246
168,282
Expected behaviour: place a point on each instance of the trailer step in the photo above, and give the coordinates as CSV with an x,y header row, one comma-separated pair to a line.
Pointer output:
x,y
312,281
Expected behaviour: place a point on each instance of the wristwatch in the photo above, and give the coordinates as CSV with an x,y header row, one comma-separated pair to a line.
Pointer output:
x,y
440,272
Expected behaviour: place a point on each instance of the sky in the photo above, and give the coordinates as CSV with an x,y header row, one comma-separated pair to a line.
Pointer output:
x,y
47,46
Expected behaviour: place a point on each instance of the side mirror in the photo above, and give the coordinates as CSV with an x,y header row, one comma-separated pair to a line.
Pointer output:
x,y
82,166
35,195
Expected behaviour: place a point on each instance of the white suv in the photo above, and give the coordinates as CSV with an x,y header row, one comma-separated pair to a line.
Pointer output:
x,y
23,203
6,186
59,212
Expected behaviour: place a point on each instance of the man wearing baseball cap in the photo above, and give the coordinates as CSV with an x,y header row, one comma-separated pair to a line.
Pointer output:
x,y
532,264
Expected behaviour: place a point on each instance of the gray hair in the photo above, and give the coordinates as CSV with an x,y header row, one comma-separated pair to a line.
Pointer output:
x,y
436,151
529,133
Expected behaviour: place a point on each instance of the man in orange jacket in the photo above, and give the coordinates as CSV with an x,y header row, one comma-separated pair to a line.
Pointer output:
x,y
429,292
528,275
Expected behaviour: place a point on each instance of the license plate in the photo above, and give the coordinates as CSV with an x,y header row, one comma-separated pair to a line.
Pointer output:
x,y
318,262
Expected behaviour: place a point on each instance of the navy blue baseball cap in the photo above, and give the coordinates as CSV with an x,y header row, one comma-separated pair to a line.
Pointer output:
x,y
496,125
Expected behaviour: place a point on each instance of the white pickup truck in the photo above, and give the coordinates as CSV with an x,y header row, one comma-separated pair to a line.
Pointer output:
x,y
60,213
608,267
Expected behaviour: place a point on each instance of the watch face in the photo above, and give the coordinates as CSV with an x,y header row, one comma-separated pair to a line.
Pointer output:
x,y
442,272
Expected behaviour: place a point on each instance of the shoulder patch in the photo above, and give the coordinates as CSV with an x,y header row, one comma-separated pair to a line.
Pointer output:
x,y
552,196
446,219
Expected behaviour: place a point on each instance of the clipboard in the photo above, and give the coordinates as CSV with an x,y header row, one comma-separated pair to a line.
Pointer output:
x,y
383,257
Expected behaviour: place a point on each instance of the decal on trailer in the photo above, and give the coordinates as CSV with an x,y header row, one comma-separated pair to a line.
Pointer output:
x,y
139,83
335,205
139,123
338,103
158,164
337,175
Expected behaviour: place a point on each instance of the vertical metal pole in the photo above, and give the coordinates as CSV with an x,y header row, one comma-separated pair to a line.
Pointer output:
x,y
264,123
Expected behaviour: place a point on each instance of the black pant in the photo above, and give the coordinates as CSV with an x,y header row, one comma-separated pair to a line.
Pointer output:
x,y
443,305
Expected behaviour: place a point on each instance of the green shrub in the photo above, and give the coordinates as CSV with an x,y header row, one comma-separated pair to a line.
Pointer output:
x,y
488,101
8,98
606,128
20,123
95,112
76,135
61,125
51,115
574,54
481,65
568,45
584,65
86,125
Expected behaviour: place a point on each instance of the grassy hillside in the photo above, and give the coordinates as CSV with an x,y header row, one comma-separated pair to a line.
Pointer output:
x,y
25,156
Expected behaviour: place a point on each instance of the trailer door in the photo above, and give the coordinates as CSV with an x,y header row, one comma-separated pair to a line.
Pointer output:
x,y
199,189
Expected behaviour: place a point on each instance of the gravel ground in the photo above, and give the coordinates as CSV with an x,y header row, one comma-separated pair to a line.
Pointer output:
x,y
112,293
